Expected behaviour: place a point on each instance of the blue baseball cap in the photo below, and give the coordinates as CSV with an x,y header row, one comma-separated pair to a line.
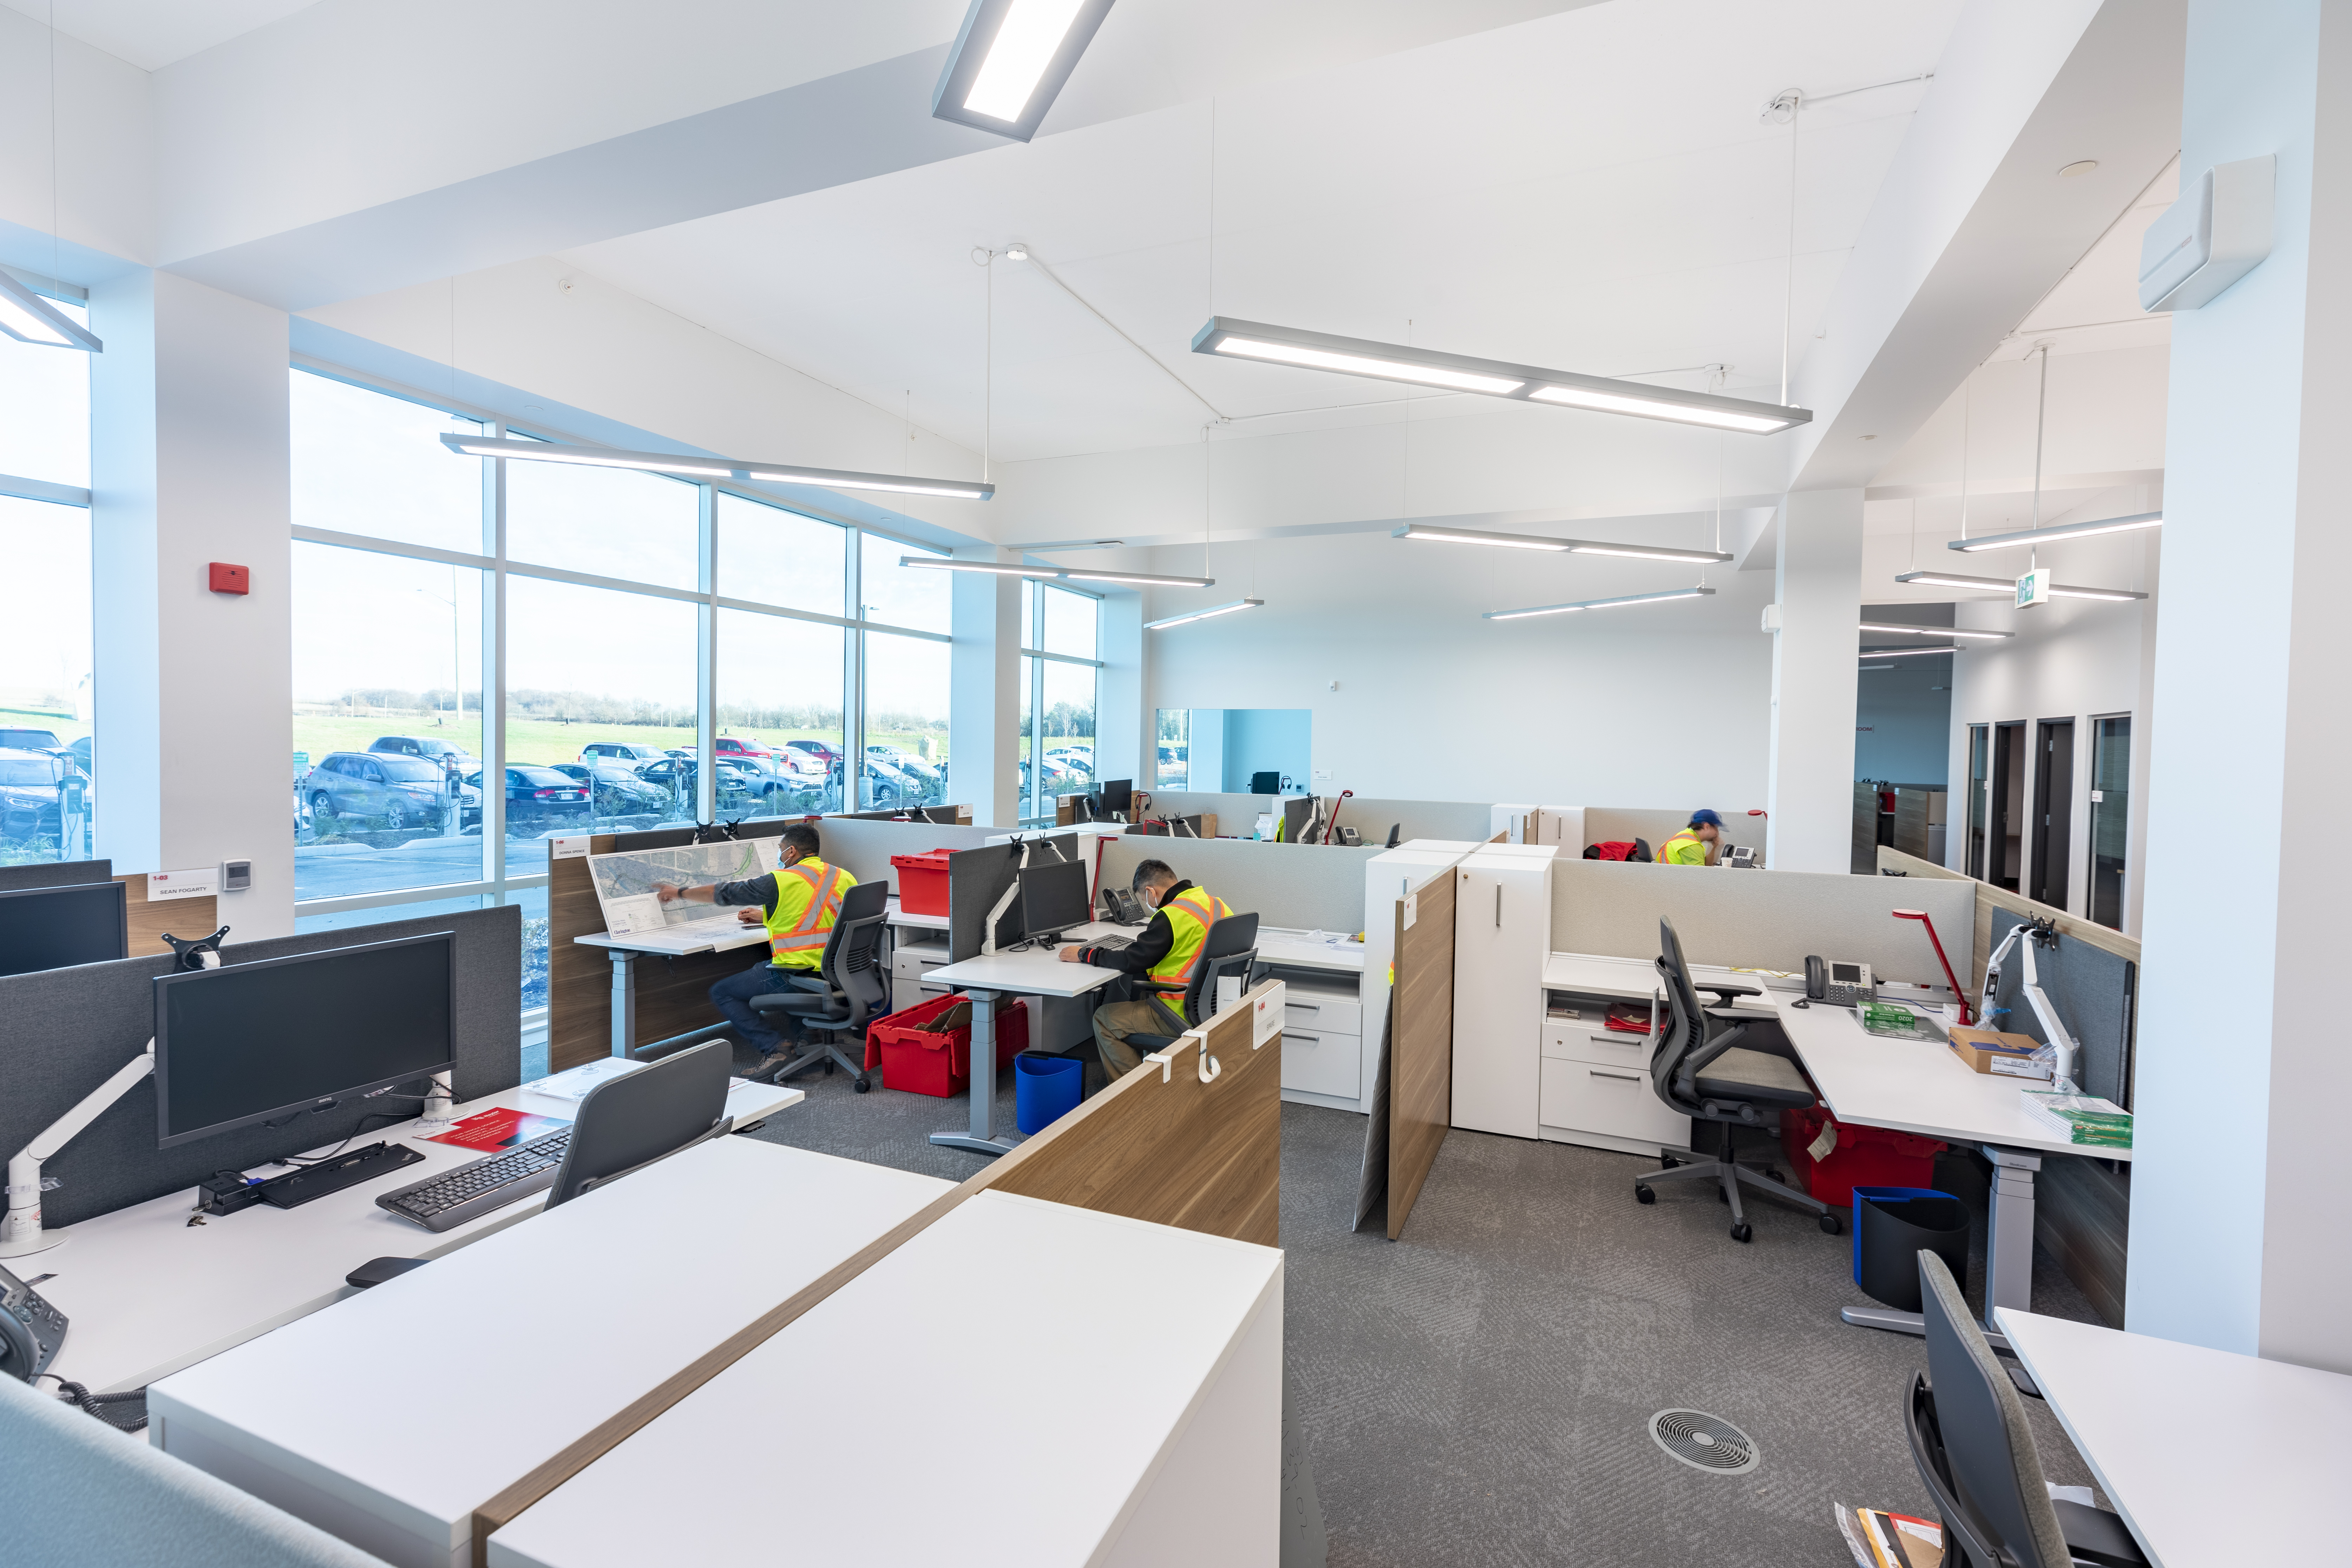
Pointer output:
x,y
1704,814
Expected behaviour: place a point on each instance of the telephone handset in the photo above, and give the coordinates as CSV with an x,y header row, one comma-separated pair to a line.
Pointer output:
x,y
1841,983
1126,908
30,1329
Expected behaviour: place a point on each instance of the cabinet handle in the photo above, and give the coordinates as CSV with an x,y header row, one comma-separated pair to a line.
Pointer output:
x,y
1628,1077
1298,1035
1303,1006
1499,905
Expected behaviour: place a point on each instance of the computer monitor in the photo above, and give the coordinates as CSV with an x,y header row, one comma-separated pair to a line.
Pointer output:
x,y
1054,898
250,1043
52,928
1118,797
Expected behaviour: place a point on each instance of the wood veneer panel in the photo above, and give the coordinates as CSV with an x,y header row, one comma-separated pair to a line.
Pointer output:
x,y
1421,1056
579,979
186,919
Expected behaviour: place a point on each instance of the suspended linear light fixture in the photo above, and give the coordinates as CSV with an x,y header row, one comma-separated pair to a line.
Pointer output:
x,y
1906,652
2003,586
713,468
1446,535
1010,60
2056,532
1001,569
1492,378
1600,604
1931,631
1203,614
1145,579
29,319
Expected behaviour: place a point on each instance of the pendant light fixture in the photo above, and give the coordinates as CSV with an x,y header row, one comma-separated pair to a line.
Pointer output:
x,y
1598,604
1010,60
714,467
1906,652
1054,574
1203,581
1445,534
2004,585
2038,535
1931,631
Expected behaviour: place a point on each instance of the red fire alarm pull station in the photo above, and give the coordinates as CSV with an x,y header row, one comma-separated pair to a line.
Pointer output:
x,y
228,579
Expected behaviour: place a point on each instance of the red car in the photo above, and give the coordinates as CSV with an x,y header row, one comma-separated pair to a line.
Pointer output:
x,y
730,746
827,757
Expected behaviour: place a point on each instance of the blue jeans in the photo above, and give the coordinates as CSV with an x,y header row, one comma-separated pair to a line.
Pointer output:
x,y
733,997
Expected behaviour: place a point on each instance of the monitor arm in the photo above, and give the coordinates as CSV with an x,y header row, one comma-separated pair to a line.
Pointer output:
x,y
21,1232
2068,1049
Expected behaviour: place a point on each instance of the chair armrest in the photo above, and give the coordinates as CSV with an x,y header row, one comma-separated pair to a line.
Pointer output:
x,y
796,1002
1725,993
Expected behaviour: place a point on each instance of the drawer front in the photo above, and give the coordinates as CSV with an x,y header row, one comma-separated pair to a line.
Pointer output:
x,y
1591,1097
1318,1012
1322,1062
914,962
1603,1048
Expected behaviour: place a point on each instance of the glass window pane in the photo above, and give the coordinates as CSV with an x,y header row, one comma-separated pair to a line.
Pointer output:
x,y
1067,729
365,463
1026,726
917,597
2110,817
779,719
1028,611
601,683
771,556
532,902
906,722
607,522
44,679
387,721
1175,748
45,407
1070,620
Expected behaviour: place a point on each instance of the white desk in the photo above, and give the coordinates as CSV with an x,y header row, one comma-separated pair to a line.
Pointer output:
x,y
2213,1460
1908,1086
148,1293
1039,972
624,951
1288,945
387,1420
899,917
1161,1444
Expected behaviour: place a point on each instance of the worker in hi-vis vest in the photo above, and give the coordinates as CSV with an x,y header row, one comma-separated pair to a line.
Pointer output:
x,y
1696,845
797,902
1160,962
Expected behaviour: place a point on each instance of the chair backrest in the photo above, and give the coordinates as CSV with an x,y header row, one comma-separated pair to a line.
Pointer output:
x,y
1995,1470
628,1122
1675,1060
1229,947
867,900
853,953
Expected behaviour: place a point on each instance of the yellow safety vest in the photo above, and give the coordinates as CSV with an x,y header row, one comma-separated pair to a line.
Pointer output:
x,y
1190,913
808,897
1668,857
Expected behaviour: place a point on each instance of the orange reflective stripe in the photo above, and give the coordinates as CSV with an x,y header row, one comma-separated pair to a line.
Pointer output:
x,y
815,923
1189,915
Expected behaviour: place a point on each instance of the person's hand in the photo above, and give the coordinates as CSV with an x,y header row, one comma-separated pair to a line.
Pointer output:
x,y
1074,955
750,917
668,894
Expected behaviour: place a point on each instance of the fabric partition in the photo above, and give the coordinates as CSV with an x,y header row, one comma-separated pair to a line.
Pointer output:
x,y
64,1032
56,874
1237,813
863,847
1761,920
1618,825
1307,887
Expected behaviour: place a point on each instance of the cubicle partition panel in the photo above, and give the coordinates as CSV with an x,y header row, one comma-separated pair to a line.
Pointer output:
x,y
979,879
185,918
1370,816
1421,1060
863,847
55,873
1990,898
1305,886
64,1032
1759,919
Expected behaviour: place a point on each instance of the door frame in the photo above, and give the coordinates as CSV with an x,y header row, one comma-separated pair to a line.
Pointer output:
x,y
2047,811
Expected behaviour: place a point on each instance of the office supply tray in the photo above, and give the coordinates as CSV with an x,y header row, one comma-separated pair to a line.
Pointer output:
x,y
1924,1028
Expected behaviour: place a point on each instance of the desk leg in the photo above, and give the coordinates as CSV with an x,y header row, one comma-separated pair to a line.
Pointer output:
x,y
2009,1250
981,1139
624,1001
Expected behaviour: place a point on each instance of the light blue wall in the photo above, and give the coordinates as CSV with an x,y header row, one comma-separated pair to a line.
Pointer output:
x,y
1902,723
1264,740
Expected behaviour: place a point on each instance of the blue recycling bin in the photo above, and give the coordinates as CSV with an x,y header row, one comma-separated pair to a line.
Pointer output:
x,y
1044,1088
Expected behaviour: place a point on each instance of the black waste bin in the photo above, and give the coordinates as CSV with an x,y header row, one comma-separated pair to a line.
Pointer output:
x,y
1891,1225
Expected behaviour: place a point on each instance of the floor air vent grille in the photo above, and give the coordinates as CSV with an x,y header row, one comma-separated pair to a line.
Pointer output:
x,y
1704,1442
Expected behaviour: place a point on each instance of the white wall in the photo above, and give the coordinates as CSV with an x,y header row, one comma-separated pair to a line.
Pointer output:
x,y
104,174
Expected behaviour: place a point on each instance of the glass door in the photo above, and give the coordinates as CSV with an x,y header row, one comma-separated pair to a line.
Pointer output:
x,y
2110,816
1979,788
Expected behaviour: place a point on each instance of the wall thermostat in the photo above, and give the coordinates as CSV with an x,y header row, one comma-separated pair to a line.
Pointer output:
x,y
236,876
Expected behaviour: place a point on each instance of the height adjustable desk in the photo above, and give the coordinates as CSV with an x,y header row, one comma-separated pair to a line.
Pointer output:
x,y
1038,972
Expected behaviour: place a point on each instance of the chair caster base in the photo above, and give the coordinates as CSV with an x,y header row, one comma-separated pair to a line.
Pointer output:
x,y
1743,1231
1643,1195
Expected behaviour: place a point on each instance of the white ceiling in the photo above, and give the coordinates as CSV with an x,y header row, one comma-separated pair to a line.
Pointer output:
x,y
1584,190
152,34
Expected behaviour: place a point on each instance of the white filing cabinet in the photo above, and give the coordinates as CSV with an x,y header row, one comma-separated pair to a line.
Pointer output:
x,y
1502,934
909,961
1596,1085
1388,877
1322,1034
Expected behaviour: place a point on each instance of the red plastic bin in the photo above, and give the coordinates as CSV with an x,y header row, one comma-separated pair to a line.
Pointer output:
x,y
923,1061
1865,1157
922,882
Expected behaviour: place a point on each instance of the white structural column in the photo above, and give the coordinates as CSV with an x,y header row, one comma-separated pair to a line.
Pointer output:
x,y
2237,1212
984,744
193,730
1817,583
1125,731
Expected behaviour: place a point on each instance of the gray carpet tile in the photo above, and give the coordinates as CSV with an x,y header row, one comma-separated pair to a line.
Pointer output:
x,y
1478,1391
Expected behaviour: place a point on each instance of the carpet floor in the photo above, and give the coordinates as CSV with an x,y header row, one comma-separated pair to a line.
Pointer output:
x,y
1478,1392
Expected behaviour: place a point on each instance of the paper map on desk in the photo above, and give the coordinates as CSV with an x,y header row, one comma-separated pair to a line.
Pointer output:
x,y
626,881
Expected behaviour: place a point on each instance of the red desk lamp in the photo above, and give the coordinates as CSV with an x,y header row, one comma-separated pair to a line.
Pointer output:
x,y
1921,916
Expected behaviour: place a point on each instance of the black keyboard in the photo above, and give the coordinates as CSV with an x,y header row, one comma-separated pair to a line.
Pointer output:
x,y
450,1199
1112,942
300,1185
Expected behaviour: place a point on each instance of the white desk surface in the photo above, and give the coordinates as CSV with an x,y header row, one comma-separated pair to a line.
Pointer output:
x,y
1093,1418
408,1407
1908,1086
899,917
146,1293
1038,972
2213,1460
1287,945
674,947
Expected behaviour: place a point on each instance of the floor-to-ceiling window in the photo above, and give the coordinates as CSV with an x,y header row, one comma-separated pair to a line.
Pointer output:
x,y
1061,635
47,800
655,652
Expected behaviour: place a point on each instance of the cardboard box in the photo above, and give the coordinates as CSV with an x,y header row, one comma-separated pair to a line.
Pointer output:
x,y
1999,1055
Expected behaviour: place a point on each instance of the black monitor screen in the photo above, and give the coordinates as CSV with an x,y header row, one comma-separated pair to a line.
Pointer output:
x,y
253,1042
1118,795
1053,897
51,927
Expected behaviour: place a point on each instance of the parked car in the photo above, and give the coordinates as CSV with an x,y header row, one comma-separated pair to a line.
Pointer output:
x,y
449,753
735,789
401,791
736,746
889,785
618,791
1058,780
823,751
914,767
539,797
618,750
30,788
1081,757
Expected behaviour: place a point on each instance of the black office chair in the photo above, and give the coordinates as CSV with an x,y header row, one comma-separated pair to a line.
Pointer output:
x,y
1392,834
849,988
1701,1070
1230,948
1976,1457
